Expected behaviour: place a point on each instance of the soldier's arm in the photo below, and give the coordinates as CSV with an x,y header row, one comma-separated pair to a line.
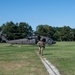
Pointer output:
x,y
38,43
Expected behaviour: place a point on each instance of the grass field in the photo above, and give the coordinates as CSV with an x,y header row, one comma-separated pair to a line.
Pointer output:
x,y
62,55
15,60
23,60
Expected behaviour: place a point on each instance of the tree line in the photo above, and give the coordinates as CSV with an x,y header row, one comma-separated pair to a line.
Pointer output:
x,y
21,30
16,31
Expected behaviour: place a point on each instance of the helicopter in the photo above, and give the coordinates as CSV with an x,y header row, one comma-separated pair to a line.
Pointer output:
x,y
33,39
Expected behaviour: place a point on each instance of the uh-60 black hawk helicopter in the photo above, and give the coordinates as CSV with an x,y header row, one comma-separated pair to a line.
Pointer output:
x,y
28,40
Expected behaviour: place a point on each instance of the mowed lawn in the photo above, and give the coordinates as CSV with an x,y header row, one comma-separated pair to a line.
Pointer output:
x,y
16,60
62,55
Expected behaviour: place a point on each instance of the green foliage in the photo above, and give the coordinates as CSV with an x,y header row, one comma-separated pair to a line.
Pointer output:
x,y
64,33
23,29
45,30
16,31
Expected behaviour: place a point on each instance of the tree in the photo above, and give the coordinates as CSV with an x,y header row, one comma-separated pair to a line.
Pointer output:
x,y
73,34
9,29
65,33
16,31
45,30
0,28
57,34
25,29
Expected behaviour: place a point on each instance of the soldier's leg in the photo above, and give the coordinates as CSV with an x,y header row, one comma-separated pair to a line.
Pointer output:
x,y
39,50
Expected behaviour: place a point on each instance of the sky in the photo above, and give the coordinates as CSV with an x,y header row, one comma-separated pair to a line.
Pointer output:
x,y
55,13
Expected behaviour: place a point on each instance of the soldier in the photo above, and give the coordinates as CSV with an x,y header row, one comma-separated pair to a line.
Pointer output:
x,y
41,45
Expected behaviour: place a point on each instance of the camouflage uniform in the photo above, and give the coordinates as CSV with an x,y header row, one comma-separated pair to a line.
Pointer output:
x,y
41,45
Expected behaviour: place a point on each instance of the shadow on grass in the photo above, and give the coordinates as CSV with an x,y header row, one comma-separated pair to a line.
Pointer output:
x,y
47,54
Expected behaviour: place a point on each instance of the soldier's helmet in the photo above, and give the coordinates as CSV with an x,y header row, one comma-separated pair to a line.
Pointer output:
x,y
43,39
